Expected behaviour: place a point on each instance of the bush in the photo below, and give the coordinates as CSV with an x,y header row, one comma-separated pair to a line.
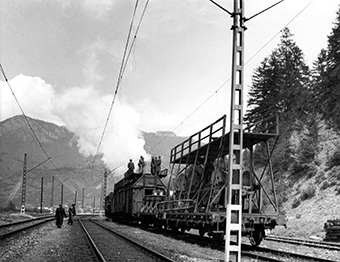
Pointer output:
x,y
296,203
324,185
320,177
334,160
10,206
308,170
337,191
308,192
333,183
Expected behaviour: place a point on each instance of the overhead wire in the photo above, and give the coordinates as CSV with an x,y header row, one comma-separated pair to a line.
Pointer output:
x,y
225,82
124,62
27,121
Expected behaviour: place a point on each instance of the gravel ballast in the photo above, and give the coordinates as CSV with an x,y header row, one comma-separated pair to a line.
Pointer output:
x,y
48,243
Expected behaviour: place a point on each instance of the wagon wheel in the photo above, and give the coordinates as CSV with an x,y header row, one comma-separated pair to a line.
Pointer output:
x,y
201,231
174,229
256,237
145,223
159,225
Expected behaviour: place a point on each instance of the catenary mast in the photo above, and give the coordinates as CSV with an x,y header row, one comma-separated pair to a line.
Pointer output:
x,y
234,192
234,187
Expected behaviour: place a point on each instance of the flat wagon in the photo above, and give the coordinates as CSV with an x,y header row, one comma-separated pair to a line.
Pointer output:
x,y
200,165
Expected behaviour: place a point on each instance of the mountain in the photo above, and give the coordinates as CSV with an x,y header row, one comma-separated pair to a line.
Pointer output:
x,y
68,166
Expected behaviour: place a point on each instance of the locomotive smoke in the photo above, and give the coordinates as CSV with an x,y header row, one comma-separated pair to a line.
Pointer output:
x,y
83,111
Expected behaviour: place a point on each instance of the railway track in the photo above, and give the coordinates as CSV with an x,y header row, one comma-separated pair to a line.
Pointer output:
x,y
110,245
283,255
274,253
260,253
7,230
305,242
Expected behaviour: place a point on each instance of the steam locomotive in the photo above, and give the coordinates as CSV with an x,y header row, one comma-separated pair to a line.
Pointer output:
x,y
194,196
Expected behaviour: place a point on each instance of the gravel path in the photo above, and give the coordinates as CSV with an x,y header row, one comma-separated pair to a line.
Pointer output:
x,y
48,243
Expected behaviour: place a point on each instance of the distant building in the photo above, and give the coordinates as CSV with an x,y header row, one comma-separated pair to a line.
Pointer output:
x,y
165,133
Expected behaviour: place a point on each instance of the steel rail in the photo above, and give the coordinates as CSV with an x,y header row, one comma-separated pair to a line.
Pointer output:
x,y
305,242
284,253
94,246
26,227
260,257
25,221
140,246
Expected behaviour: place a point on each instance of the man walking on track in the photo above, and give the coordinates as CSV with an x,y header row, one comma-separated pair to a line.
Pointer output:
x,y
59,216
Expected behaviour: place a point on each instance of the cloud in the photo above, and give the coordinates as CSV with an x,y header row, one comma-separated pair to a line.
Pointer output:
x,y
83,111
93,53
34,95
99,8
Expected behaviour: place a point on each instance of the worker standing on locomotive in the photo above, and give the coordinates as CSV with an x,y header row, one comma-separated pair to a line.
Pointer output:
x,y
158,165
141,165
153,165
131,167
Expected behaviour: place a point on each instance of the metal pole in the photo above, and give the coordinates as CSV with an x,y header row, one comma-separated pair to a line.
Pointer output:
x,y
42,194
23,193
234,190
104,190
75,197
233,195
52,192
62,194
82,200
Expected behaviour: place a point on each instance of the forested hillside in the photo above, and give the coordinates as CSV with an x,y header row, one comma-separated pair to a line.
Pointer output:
x,y
306,161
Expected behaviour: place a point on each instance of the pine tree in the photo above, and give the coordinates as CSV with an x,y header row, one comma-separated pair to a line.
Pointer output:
x,y
327,86
281,85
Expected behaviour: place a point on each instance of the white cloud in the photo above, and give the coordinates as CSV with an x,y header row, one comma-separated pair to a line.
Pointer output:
x,y
97,8
34,95
100,8
84,111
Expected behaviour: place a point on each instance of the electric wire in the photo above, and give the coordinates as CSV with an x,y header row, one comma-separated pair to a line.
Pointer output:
x,y
135,37
225,82
26,119
120,77
122,69
30,126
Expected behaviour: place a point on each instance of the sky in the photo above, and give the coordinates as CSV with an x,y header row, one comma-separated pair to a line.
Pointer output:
x,y
62,59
